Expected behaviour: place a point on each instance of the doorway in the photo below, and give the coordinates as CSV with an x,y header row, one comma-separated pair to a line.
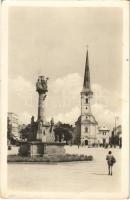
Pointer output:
x,y
86,142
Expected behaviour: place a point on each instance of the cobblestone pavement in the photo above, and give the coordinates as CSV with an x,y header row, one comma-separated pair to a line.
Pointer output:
x,y
67,177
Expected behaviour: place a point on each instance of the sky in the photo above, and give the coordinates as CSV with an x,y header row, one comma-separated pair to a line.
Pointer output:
x,y
52,42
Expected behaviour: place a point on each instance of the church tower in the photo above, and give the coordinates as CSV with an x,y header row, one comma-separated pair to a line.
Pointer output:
x,y
88,124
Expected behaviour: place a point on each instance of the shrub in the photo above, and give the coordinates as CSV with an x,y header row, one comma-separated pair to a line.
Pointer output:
x,y
86,157
24,150
50,158
90,158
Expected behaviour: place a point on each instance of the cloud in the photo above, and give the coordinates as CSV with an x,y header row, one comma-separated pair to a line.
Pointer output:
x,y
63,100
105,106
23,90
22,98
24,118
68,117
110,99
64,94
103,115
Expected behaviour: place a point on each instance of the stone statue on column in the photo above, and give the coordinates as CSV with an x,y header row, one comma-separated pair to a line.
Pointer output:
x,y
41,88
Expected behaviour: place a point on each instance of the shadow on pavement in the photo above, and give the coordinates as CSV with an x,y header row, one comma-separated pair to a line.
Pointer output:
x,y
99,174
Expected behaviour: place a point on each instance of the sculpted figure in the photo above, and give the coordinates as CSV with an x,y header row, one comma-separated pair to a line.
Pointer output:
x,y
41,85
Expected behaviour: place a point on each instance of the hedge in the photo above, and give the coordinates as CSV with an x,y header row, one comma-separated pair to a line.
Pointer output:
x,y
50,158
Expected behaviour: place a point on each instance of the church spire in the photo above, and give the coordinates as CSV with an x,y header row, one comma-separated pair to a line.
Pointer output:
x,y
86,83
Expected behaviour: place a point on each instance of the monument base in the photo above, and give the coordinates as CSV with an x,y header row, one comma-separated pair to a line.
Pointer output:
x,y
42,148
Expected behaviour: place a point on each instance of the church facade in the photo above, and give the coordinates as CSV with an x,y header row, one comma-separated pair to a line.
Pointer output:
x,y
86,126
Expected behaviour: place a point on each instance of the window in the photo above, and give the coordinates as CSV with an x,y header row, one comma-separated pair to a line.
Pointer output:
x,y
104,133
86,129
86,108
87,100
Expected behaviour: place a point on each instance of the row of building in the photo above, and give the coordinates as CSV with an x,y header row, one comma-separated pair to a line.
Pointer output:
x,y
103,136
12,125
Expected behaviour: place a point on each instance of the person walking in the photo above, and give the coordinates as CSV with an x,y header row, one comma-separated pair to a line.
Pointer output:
x,y
110,161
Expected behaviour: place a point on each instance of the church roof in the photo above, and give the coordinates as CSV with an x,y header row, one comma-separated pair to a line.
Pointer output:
x,y
86,83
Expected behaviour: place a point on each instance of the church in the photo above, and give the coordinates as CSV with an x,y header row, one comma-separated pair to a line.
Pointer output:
x,y
86,129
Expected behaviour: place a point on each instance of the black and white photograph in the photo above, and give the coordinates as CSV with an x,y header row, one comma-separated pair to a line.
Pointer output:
x,y
67,100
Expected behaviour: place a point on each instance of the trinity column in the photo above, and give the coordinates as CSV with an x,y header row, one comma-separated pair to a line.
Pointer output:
x,y
41,88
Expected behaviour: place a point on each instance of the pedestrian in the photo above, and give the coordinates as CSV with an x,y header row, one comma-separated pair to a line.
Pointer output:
x,y
110,161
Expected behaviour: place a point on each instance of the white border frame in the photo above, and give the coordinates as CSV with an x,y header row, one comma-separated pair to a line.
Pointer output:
x,y
125,97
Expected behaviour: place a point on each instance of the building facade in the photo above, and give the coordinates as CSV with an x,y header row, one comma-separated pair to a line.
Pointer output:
x,y
13,126
103,136
86,125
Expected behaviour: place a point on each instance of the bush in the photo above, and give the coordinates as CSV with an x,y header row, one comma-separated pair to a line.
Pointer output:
x,y
82,158
86,157
24,150
50,158
89,158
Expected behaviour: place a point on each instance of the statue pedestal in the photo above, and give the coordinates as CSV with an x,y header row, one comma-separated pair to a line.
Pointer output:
x,y
38,148
54,148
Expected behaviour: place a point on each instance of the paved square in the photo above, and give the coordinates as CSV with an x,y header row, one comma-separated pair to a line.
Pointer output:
x,y
86,176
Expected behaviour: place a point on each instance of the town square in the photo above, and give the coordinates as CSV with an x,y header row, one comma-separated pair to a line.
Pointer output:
x,y
67,177
41,138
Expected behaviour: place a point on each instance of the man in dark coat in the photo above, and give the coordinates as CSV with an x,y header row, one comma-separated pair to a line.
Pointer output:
x,y
110,161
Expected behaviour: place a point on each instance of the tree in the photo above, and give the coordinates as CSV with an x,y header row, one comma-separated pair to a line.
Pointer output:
x,y
29,132
63,132
114,140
